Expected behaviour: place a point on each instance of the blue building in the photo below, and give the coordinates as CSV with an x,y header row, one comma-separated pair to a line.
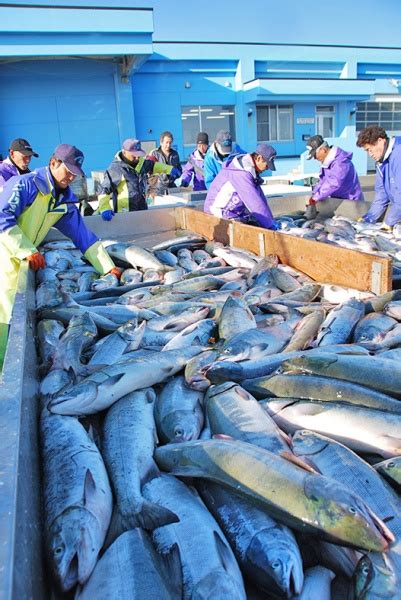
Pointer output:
x,y
92,74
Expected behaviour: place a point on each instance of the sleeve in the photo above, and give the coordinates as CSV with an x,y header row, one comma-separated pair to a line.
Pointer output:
x,y
380,202
108,188
176,163
16,196
254,200
187,173
210,169
329,182
73,226
394,213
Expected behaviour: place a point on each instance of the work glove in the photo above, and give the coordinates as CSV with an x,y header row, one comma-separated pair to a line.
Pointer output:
x,y
174,173
107,215
310,210
117,272
274,226
36,261
386,227
367,219
184,184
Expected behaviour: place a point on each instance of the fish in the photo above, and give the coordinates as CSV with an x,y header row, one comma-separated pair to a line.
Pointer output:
x,y
183,239
340,322
77,499
297,497
196,334
390,469
235,317
209,567
364,430
255,343
317,578
105,283
48,294
107,385
178,322
305,331
130,276
232,411
111,348
129,439
266,551
55,381
80,334
48,333
372,327
131,569
196,367
323,389
179,411
166,257
142,258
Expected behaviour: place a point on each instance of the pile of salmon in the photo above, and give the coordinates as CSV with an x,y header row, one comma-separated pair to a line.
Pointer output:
x,y
216,425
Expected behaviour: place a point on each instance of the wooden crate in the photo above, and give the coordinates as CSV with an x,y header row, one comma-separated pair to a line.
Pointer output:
x,y
323,262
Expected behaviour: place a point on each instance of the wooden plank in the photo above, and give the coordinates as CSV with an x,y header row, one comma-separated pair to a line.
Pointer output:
x,y
323,262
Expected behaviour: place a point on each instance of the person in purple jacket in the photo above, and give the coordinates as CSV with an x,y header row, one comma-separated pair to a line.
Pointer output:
x,y
17,162
387,154
337,178
194,166
236,191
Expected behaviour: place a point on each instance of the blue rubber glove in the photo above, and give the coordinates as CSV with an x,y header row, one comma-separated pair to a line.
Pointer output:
x,y
368,219
274,226
174,173
107,215
184,184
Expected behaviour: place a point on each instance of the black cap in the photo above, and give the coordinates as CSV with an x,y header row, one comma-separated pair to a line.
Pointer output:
x,y
23,146
202,138
313,144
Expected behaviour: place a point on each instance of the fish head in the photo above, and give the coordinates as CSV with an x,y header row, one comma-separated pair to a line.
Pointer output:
x,y
220,372
183,425
235,351
305,442
274,552
376,577
73,546
75,401
343,516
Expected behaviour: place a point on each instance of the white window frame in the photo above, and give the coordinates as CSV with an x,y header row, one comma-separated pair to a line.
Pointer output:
x,y
275,110
320,115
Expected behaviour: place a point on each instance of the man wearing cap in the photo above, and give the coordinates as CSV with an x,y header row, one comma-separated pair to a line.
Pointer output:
x,y
337,178
386,152
29,206
236,191
221,149
160,184
17,162
125,180
194,167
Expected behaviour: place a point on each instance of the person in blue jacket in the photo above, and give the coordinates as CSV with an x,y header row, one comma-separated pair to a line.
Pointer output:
x,y
219,152
387,154
17,161
29,206
193,170
236,192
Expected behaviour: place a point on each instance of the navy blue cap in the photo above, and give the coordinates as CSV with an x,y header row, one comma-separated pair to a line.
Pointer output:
x,y
71,157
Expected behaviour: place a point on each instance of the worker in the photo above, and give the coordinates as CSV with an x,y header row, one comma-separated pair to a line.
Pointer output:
x,y
337,178
193,170
160,184
17,161
219,152
125,181
29,206
236,191
387,154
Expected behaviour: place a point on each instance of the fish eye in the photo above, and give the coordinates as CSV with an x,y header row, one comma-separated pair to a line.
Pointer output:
x,y
365,570
58,550
352,510
276,565
390,465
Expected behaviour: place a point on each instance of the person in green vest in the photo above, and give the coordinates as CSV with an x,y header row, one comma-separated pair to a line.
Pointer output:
x,y
125,181
29,206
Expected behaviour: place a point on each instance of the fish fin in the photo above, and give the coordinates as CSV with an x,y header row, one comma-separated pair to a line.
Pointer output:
x,y
116,528
222,436
68,300
152,515
89,488
112,380
172,568
299,462
225,552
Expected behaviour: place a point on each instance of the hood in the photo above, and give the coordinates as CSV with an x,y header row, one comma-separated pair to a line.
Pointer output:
x,y
45,184
240,162
337,153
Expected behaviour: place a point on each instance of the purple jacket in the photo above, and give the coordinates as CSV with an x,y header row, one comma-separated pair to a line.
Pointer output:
x,y
194,167
337,177
7,170
388,186
236,193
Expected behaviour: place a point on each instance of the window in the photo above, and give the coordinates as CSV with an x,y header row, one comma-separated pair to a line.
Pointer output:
x,y
275,122
384,114
205,118
325,120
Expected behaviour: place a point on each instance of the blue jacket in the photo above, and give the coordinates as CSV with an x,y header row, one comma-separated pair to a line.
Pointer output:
x,y
214,162
22,191
236,193
388,186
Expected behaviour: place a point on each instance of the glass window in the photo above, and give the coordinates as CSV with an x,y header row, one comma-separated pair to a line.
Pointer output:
x,y
384,114
275,122
205,118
